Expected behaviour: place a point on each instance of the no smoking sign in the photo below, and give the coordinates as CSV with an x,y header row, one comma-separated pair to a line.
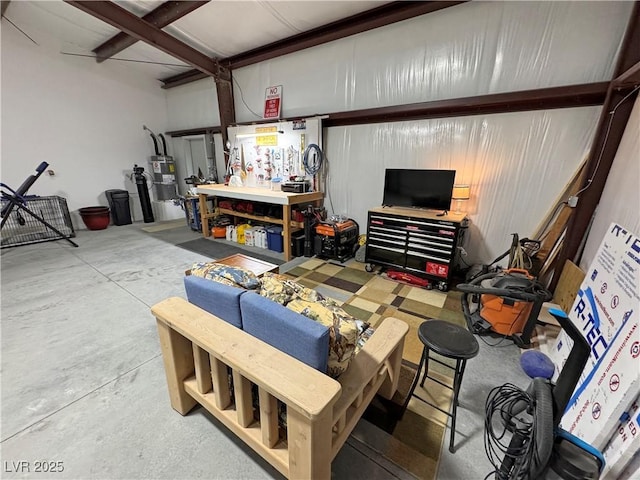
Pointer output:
x,y
614,382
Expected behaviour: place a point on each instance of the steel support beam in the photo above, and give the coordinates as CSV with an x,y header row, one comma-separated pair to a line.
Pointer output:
x,y
142,30
628,79
162,16
183,79
227,111
377,17
193,131
3,7
605,144
540,99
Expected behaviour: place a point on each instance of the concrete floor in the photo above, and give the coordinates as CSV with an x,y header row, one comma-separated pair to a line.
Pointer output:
x,y
83,382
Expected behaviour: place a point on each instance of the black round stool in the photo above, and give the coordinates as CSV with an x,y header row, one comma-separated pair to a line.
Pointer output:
x,y
451,341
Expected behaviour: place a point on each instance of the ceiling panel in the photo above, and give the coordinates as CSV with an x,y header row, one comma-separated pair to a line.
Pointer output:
x,y
217,29
226,28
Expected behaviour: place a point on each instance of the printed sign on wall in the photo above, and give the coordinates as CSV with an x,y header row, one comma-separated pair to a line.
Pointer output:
x,y
273,102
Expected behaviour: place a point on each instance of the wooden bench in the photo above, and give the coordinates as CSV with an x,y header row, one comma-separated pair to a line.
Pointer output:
x,y
200,349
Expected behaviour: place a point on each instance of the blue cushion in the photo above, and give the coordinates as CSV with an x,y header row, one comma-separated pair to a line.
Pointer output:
x,y
298,336
223,301
536,364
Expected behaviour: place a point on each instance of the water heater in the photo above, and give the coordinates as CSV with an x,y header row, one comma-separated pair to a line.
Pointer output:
x,y
163,171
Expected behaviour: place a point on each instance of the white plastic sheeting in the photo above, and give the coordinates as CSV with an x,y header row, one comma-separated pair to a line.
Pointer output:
x,y
620,201
471,49
517,164
194,105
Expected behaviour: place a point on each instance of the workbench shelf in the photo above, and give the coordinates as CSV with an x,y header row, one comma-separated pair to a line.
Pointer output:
x,y
284,199
418,242
258,218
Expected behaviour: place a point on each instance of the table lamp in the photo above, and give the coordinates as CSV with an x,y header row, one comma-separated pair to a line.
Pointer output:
x,y
459,194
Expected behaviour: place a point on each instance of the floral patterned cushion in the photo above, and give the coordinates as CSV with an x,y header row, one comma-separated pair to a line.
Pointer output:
x,y
226,274
343,328
282,289
343,331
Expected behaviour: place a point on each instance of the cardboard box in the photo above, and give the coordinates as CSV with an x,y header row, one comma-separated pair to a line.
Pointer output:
x,y
606,311
624,443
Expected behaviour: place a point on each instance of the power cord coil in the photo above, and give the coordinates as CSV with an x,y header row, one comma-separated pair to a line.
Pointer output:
x,y
313,167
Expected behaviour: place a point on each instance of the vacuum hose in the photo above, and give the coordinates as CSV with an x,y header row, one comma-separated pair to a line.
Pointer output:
x,y
529,417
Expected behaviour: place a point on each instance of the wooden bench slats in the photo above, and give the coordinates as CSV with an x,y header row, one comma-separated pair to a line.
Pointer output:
x,y
203,369
199,350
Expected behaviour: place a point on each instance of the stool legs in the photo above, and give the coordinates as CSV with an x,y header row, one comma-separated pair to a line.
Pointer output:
x,y
457,381
415,381
425,355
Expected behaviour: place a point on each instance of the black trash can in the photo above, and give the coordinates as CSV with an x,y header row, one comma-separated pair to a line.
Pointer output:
x,y
119,205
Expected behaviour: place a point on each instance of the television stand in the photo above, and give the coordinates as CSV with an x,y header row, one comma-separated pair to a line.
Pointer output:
x,y
442,213
419,242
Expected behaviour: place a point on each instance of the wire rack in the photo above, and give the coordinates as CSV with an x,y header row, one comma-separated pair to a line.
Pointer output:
x,y
21,228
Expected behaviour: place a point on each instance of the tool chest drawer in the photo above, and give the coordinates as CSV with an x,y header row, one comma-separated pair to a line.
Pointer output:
x,y
415,241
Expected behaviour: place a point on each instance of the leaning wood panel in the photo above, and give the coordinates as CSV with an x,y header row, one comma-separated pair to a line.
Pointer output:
x,y
568,285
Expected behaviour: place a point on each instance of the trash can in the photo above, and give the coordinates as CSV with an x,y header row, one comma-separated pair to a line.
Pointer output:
x,y
119,205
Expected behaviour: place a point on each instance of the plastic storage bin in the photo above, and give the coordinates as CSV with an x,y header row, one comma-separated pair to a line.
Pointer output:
x,y
274,239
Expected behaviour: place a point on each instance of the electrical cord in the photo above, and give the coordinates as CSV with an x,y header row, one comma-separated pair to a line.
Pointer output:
x,y
312,167
242,98
612,114
506,402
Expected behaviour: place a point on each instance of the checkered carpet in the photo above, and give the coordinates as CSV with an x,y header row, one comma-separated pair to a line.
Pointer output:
x,y
371,297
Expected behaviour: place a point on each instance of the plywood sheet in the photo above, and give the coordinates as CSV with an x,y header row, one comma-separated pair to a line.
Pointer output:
x,y
568,285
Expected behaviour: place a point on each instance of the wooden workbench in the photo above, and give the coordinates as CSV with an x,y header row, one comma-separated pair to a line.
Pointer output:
x,y
254,194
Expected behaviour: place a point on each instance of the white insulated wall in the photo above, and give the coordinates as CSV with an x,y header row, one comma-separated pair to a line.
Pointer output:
x,y
476,48
620,200
516,164
85,119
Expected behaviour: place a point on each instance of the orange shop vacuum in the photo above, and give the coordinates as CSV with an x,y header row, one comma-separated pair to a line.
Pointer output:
x,y
507,303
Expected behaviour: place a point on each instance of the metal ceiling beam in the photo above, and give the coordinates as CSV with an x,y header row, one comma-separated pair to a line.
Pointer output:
x,y
162,16
194,131
611,125
183,79
630,78
526,100
142,30
377,17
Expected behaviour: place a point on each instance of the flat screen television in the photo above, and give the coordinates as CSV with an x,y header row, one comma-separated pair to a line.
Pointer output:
x,y
430,189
